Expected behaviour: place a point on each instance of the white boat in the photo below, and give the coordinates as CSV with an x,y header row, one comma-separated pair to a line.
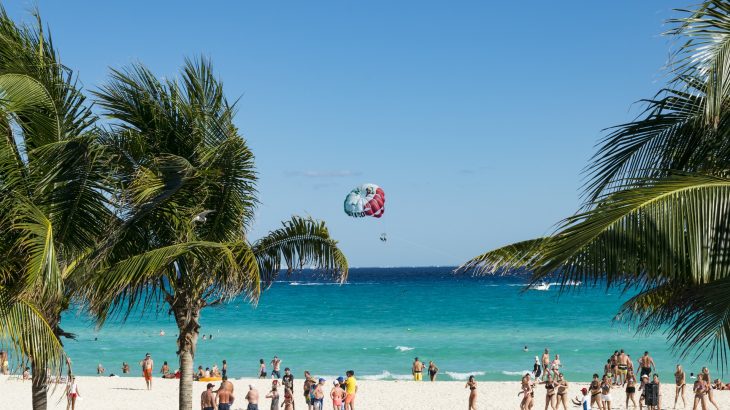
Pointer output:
x,y
540,286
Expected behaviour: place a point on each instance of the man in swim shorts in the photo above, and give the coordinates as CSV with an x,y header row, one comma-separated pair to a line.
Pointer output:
x,y
622,367
351,390
276,365
417,370
147,364
253,399
225,398
207,399
646,363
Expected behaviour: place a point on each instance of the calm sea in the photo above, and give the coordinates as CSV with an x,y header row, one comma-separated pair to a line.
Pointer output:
x,y
379,321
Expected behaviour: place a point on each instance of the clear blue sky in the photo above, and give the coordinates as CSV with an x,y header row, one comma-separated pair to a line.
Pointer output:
x,y
475,117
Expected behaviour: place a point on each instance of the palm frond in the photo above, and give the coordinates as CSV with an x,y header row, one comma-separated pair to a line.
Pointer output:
x,y
301,242
505,259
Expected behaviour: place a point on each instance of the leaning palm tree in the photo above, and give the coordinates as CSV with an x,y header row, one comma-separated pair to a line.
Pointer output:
x,y
52,195
187,196
656,220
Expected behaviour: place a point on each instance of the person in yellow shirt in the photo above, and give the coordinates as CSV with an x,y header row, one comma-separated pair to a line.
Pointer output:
x,y
351,390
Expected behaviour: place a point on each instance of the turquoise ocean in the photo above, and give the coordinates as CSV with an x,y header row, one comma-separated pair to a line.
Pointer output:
x,y
381,319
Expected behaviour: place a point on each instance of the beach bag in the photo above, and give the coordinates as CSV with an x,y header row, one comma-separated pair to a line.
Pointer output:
x,y
651,394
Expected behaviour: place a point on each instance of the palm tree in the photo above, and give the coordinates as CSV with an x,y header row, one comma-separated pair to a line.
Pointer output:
x,y
187,197
52,195
657,212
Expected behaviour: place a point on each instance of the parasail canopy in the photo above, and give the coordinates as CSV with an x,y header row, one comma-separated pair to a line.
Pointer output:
x,y
365,200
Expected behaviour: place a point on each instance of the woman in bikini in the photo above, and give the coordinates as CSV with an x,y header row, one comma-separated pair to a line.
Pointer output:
x,y
630,388
432,371
288,403
527,392
472,385
550,386
72,392
562,392
680,381
708,381
556,365
595,390
699,388
606,392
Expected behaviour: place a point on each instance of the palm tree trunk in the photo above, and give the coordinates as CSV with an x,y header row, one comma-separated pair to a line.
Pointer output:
x,y
39,387
187,318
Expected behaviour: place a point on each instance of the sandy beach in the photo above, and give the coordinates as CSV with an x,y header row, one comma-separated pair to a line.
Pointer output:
x,y
129,393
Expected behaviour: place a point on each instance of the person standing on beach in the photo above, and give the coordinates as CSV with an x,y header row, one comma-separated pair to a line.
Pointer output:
x,y
288,400
432,371
288,380
472,385
417,370
274,396
147,365
630,388
700,389
252,397
308,385
165,370
224,369
545,362
550,386
680,379
646,363
536,369
595,389
72,393
708,382
262,369
622,367
224,399
338,396
606,392
207,399
351,390
275,366
556,366
562,392
528,393
319,395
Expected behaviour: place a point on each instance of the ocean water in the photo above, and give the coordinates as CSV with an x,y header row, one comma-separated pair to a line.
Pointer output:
x,y
379,321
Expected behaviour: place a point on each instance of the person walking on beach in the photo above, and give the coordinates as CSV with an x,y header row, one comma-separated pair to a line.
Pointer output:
x,y
708,382
417,370
536,369
471,384
350,390
288,380
147,365
337,394
262,369
680,381
72,393
622,367
550,386
207,399
432,371
224,369
606,392
224,399
630,388
275,366
527,392
595,389
700,389
545,362
274,395
556,365
646,364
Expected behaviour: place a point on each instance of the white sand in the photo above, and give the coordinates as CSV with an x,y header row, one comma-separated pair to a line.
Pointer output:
x,y
130,393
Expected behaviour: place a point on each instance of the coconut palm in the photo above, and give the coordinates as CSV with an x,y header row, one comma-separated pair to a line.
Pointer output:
x,y
657,212
52,195
187,198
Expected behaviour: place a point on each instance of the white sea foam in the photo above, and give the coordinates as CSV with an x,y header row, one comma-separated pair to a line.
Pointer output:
x,y
521,373
464,376
404,348
386,375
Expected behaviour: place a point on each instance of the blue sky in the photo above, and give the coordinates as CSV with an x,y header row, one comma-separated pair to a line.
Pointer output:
x,y
477,118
